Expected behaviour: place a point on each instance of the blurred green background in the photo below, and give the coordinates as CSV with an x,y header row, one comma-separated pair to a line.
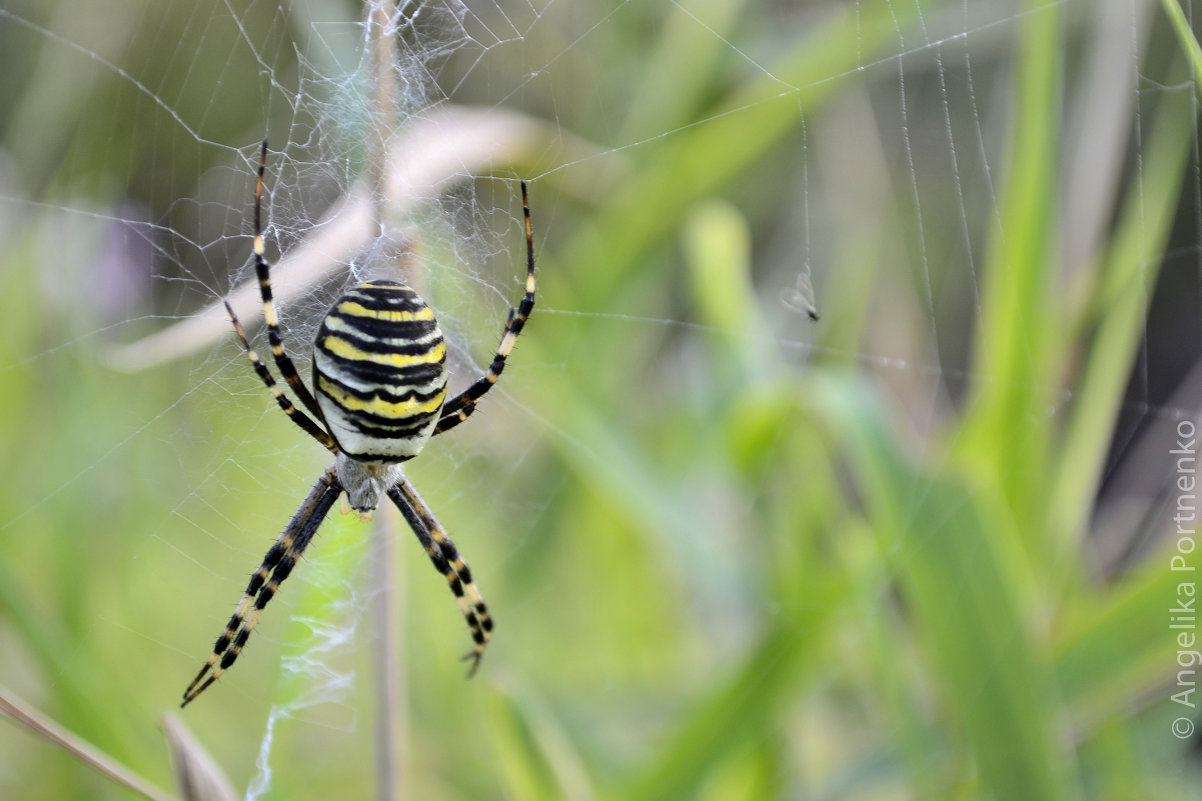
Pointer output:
x,y
919,549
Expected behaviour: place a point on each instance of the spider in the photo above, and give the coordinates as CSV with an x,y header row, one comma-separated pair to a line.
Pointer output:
x,y
379,386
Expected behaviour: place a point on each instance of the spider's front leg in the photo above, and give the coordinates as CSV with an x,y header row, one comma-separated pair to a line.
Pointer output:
x,y
460,407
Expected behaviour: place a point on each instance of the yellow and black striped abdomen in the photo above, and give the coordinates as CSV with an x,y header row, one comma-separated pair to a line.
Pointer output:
x,y
379,372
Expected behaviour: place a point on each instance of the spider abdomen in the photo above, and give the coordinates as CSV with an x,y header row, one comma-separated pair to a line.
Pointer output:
x,y
379,372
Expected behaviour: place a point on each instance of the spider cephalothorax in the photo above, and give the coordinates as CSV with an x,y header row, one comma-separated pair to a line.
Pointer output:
x,y
379,388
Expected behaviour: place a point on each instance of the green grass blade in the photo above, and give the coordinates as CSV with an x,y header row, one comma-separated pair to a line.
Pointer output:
x,y
940,543
1129,270
536,758
736,133
1006,436
1185,35
742,710
1106,652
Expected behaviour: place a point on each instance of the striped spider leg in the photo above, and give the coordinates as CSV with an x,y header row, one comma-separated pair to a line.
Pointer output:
x,y
461,407
265,581
378,392
446,560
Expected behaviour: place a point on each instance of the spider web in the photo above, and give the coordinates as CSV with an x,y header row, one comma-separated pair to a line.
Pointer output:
x,y
131,139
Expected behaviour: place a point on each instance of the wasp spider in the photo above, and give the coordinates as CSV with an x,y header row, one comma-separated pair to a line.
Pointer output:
x,y
379,386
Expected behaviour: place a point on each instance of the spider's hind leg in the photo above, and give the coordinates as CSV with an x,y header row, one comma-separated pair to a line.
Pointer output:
x,y
446,560
276,567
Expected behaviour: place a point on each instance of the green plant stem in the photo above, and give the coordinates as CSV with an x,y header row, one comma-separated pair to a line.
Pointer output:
x,y
1189,42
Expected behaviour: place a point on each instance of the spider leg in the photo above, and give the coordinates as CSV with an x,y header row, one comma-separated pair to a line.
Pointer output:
x,y
461,406
446,559
297,416
265,581
282,360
